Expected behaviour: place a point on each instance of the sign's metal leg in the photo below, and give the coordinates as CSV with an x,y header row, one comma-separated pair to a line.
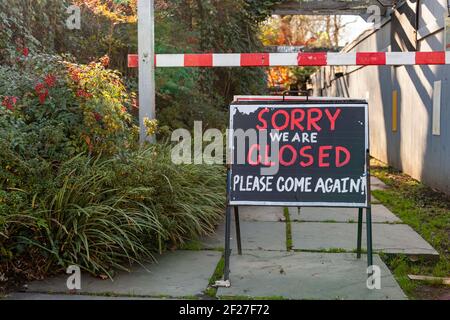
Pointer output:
x,y
369,215
360,222
226,271
369,236
238,229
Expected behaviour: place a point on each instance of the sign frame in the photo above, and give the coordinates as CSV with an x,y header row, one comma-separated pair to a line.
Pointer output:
x,y
347,103
235,207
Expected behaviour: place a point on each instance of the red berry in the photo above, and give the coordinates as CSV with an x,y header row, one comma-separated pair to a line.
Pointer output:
x,y
42,98
9,102
39,87
50,80
98,117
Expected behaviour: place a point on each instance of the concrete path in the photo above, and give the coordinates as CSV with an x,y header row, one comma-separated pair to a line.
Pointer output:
x,y
377,184
388,238
57,297
380,214
305,275
324,229
256,235
275,214
266,269
177,274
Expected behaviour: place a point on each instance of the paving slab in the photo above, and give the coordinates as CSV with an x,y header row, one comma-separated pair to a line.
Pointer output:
x,y
58,297
307,275
259,213
177,274
255,235
380,214
377,184
388,238
374,200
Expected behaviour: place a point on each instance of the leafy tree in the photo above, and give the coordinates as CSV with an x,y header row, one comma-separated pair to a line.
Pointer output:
x,y
311,32
109,27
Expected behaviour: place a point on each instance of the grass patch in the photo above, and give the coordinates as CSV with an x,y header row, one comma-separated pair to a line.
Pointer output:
x,y
335,250
427,211
288,230
211,291
331,250
363,251
190,298
192,245
197,245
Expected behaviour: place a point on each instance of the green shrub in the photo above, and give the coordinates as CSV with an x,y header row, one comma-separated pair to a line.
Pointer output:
x,y
55,109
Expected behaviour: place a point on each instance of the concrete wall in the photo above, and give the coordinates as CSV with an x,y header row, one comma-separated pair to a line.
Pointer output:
x,y
412,148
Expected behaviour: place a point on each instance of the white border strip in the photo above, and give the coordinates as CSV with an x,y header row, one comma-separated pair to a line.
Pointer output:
x,y
298,204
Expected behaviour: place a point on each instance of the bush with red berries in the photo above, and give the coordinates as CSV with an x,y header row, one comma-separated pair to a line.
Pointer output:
x,y
61,108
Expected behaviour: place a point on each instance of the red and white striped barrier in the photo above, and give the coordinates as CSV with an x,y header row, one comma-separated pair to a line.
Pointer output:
x,y
296,59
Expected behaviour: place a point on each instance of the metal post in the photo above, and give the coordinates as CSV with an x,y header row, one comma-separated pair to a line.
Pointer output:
x,y
238,229
369,213
369,236
360,217
369,199
369,241
226,271
146,44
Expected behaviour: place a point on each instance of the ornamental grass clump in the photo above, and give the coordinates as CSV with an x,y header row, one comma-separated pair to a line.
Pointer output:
x,y
107,214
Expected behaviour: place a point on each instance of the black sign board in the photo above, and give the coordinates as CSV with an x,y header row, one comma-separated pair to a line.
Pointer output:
x,y
291,153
